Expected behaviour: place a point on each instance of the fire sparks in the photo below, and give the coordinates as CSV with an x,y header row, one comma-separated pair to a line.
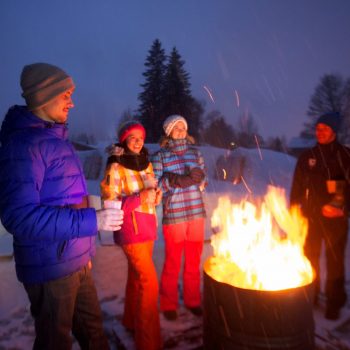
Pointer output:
x,y
237,98
258,146
224,174
246,185
209,93
259,248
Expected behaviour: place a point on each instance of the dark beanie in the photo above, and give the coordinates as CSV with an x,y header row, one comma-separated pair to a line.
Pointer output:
x,y
333,120
128,127
42,82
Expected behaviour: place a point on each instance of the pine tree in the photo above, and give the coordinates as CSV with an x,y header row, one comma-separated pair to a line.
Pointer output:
x,y
248,134
332,94
217,132
151,96
177,97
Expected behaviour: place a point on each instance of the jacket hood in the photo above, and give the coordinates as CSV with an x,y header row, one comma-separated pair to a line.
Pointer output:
x,y
19,118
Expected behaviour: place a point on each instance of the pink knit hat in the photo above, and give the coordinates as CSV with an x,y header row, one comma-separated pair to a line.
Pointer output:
x,y
128,127
42,82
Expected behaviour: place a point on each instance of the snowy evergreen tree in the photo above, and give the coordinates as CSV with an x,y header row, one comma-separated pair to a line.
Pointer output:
x,y
151,96
177,97
332,94
166,91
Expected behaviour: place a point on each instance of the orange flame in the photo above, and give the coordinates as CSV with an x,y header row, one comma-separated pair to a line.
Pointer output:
x,y
259,248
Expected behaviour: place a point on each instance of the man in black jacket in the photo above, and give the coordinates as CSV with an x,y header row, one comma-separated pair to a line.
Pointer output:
x,y
321,186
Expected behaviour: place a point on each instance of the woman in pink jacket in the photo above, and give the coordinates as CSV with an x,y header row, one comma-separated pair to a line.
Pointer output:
x,y
129,177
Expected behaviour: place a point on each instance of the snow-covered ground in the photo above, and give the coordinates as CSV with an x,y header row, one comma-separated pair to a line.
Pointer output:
x,y
109,266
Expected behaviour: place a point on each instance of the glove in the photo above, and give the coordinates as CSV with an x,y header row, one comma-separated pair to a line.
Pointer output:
x,y
148,196
197,175
335,208
114,150
150,181
109,219
330,211
178,180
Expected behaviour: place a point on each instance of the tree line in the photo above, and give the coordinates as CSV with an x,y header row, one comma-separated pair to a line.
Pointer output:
x,y
166,90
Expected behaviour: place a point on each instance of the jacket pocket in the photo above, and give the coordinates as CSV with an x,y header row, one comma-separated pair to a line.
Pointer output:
x,y
134,222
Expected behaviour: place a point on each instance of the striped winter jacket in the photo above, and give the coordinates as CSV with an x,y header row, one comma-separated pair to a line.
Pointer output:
x,y
179,204
41,179
140,223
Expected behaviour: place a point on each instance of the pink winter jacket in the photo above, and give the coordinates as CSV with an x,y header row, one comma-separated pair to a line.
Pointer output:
x,y
140,223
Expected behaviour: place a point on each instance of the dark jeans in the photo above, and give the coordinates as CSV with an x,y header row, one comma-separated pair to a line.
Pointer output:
x,y
65,306
333,232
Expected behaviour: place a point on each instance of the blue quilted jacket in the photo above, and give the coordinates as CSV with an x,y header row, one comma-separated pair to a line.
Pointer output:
x,y
41,179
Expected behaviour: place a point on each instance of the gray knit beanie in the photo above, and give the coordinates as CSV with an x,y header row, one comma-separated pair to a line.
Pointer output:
x,y
42,82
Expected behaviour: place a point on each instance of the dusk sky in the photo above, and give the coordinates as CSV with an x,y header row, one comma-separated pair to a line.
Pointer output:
x,y
264,57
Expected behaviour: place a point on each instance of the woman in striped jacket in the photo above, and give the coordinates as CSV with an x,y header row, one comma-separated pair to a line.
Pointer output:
x,y
129,177
180,171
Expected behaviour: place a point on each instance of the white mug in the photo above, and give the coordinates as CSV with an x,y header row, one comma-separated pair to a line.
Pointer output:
x,y
331,186
115,204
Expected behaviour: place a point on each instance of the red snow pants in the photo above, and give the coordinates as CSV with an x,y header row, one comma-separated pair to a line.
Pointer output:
x,y
141,296
185,238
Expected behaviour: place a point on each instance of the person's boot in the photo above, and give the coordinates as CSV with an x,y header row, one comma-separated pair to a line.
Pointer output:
x,y
196,310
170,315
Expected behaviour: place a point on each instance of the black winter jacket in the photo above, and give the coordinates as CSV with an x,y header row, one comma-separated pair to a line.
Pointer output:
x,y
314,167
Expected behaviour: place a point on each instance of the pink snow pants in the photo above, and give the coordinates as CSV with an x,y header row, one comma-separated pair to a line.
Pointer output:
x,y
183,238
141,313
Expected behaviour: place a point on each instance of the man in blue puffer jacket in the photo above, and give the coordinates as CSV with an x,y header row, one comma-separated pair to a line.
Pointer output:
x,y
43,204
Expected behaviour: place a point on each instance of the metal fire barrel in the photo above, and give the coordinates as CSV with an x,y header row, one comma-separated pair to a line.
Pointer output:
x,y
245,319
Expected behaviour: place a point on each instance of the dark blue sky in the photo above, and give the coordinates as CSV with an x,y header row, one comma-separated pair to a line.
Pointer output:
x,y
269,53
